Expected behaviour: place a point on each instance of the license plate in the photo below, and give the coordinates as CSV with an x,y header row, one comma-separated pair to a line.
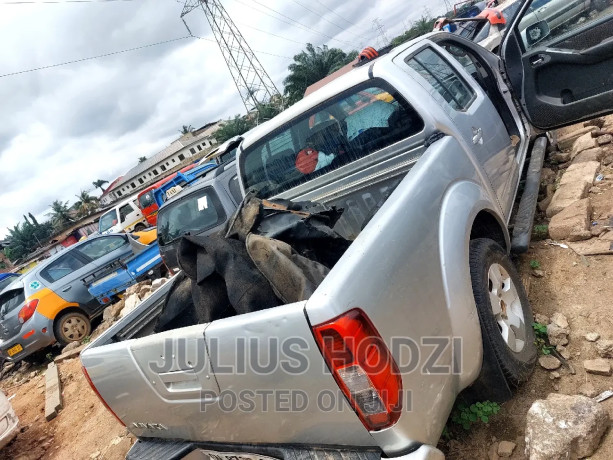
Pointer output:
x,y
214,455
14,350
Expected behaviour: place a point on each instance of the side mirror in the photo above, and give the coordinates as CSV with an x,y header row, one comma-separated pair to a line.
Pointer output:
x,y
536,32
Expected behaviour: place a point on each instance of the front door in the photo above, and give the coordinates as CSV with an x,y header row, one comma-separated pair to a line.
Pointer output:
x,y
560,64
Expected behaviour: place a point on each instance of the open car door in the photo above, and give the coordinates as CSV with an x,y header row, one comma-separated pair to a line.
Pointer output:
x,y
558,56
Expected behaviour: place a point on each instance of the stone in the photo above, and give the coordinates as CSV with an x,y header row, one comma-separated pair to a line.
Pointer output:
x,y
566,195
108,313
557,335
117,307
544,203
158,283
95,455
592,336
598,122
605,348
549,362
53,398
595,154
492,453
69,354
578,172
607,160
71,346
542,319
554,375
132,290
597,366
605,139
144,292
506,448
583,142
560,320
538,273
573,222
567,141
563,352
587,389
561,157
548,176
561,425
130,304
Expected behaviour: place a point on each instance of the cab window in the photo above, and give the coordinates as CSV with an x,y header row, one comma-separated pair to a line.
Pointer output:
x,y
354,124
61,267
101,246
443,78
193,213
124,211
108,220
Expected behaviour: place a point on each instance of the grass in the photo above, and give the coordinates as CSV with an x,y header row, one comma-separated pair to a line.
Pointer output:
x,y
542,339
535,264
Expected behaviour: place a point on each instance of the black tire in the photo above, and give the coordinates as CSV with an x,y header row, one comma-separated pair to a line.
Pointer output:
x,y
139,228
65,332
517,365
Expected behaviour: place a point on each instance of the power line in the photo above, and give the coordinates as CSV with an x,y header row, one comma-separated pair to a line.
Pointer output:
x,y
261,52
93,57
326,19
335,13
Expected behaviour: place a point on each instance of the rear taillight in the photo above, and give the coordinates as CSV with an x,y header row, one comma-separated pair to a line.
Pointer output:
x,y
27,311
363,367
91,384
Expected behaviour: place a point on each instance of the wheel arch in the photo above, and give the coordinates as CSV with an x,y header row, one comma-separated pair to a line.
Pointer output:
x,y
466,213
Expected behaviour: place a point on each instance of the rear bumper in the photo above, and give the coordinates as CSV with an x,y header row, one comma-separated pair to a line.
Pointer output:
x,y
175,450
34,342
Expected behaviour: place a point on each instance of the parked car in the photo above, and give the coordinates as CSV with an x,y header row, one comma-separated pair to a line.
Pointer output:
x,y
201,209
9,423
489,32
559,12
124,217
51,302
427,173
6,279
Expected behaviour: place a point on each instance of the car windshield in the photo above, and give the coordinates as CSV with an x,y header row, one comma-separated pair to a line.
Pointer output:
x,y
6,281
354,124
12,298
146,200
107,221
191,214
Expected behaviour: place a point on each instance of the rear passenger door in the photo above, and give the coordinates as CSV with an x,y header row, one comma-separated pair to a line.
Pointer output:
x,y
559,65
472,112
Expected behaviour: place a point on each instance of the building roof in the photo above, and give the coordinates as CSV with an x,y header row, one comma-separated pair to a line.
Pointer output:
x,y
111,187
184,141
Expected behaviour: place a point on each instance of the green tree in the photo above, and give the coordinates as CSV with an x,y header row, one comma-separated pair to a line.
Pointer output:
x,y
86,204
99,183
418,28
186,129
142,159
312,65
60,215
26,237
233,127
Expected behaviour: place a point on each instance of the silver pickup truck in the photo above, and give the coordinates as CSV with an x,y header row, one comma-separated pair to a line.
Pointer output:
x,y
425,148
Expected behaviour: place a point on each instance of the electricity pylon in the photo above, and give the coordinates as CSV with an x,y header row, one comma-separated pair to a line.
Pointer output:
x,y
253,83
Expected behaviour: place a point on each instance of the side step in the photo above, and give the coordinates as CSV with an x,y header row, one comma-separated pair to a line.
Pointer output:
x,y
522,230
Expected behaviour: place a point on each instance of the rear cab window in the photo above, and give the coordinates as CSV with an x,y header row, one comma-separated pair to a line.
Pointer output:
x,y
193,213
12,298
354,124
108,220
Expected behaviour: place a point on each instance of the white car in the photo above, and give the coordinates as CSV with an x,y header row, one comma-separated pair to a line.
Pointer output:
x,y
9,423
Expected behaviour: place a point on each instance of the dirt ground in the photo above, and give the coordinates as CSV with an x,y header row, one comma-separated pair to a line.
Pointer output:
x,y
83,429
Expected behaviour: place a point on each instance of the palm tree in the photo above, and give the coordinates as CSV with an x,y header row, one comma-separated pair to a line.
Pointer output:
x,y
142,159
232,127
312,65
99,183
86,204
60,215
185,129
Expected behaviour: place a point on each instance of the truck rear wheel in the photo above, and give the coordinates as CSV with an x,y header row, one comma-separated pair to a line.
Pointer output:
x,y
71,326
139,228
504,310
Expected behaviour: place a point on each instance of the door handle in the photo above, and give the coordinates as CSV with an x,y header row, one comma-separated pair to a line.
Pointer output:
x,y
477,136
537,60
66,288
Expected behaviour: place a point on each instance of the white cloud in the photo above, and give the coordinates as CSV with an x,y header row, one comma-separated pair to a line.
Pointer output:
x,y
65,127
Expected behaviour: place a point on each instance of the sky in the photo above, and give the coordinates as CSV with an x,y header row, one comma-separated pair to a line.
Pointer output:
x,y
64,127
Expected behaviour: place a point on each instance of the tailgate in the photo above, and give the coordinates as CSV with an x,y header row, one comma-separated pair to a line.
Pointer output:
x,y
253,378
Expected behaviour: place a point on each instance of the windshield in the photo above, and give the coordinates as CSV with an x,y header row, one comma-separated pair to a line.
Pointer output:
x,y
146,200
6,281
107,221
356,123
191,214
